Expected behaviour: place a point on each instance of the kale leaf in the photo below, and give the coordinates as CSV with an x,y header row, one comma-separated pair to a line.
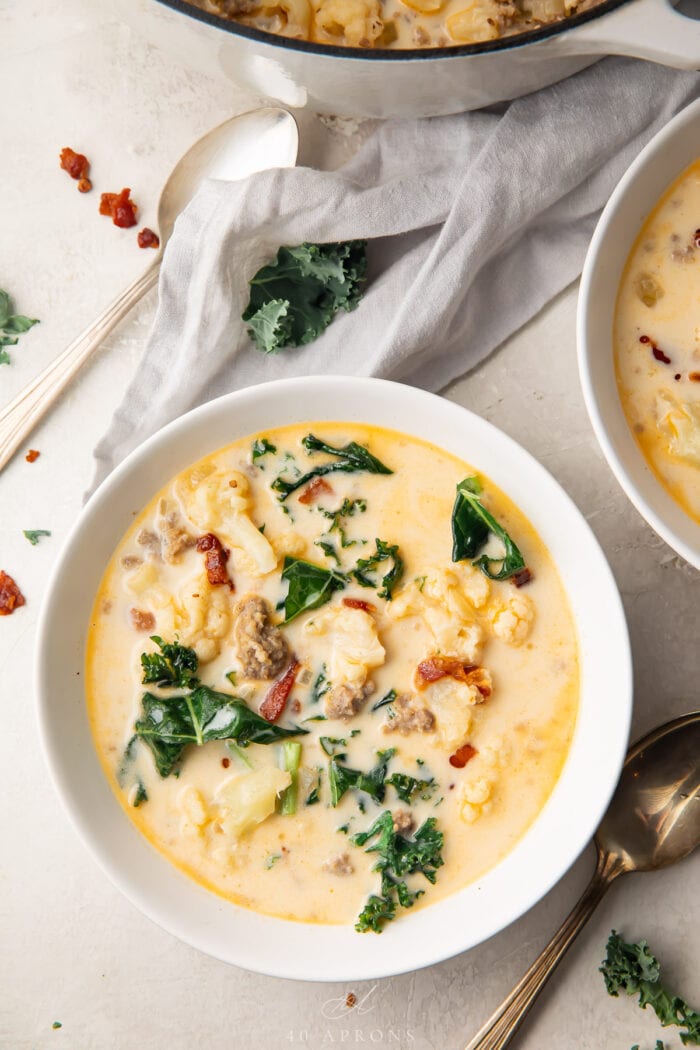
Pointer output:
x,y
321,685
260,448
341,778
34,535
294,298
631,968
398,856
346,510
471,525
310,586
388,698
11,326
383,552
168,724
350,459
174,665
408,787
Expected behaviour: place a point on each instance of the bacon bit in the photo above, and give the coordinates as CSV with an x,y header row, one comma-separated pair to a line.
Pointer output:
x,y
76,164
142,621
11,596
277,695
656,350
694,377
358,603
225,762
148,239
84,186
316,488
521,577
32,455
120,207
437,667
215,560
350,1000
462,755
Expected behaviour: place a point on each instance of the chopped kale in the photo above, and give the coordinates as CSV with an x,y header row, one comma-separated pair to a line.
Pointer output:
x,y
350,459
174,665
383,552
471,526
296,296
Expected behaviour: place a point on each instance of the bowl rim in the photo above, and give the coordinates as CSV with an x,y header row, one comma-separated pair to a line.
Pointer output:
x,y
588,347
310,47
303,951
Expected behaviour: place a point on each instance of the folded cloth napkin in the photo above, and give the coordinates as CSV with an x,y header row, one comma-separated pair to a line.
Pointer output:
x,y
475,221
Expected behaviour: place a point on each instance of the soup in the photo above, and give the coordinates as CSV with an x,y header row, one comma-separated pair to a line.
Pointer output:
x,y
657,340
396,23
304,702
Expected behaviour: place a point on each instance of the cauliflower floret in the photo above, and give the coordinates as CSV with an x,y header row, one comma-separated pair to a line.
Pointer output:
x,y
295,16
220,502
680,422
358,21
355,645
290,544
247,800
200,616
479,20
513,621
447,604
451,702
141,579
475,798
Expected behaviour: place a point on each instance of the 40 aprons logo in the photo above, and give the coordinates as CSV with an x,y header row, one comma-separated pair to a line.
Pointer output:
x,y
344,1026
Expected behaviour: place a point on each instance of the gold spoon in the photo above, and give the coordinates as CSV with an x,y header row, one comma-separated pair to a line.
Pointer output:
x,y
250,142
652,821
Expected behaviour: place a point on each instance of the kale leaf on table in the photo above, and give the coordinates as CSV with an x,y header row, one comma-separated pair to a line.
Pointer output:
x,y
295,297
11,326
631,968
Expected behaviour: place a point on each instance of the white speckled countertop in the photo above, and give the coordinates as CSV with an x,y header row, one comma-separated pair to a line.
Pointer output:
x,y
72,948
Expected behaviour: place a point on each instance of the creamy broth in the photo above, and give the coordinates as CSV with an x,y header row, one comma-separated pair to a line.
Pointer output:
x,y
657,340
520,640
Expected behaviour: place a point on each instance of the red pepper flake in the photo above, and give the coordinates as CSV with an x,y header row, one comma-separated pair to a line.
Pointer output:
x,y
274,703
350,1000
656,350
225,762
215,560
521,577
463,755
295,707
316,488
437,667
358,603
78,166
696,238
148,239
32,455
11,596
677,376
120,207
694,377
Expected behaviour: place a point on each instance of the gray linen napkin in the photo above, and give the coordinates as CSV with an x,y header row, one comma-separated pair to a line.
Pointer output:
x,y
475,220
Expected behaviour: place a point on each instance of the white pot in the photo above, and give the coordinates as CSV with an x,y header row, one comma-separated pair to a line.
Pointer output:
x,y
418,83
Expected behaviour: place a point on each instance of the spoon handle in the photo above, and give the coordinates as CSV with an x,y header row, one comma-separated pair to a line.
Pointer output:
x,y
18,419
503,1024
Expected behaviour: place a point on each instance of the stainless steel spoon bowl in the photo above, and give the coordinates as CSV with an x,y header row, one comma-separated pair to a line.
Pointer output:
x,y
653,821
263,138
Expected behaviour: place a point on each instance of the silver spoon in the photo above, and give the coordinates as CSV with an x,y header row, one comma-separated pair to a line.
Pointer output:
x,y
264,138
653,821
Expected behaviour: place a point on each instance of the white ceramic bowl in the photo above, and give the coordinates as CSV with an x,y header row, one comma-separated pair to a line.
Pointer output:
x,y
664,158
298,950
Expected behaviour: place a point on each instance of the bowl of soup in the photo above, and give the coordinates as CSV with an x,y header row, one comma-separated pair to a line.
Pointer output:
x,y
328,694
639,333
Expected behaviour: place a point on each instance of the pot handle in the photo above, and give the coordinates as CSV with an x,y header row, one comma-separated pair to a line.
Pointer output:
x,y
649,29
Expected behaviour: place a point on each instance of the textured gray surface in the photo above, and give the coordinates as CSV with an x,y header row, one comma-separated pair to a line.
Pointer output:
x,y
72,949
